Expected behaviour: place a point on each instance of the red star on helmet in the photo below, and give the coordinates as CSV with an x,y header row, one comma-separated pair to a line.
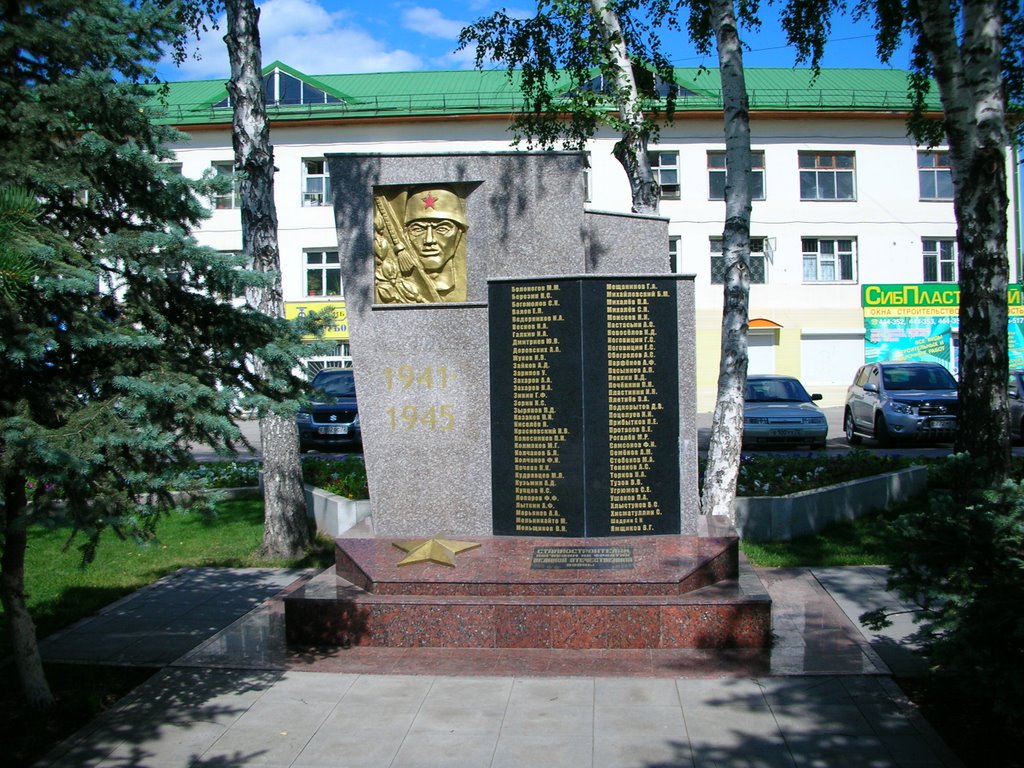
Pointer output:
x,y
429,201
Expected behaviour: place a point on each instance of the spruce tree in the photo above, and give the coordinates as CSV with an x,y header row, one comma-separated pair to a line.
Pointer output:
x,y
125,344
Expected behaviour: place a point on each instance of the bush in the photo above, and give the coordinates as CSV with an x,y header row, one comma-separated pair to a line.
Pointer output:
x,y
765,475
345,477
222,474
962,562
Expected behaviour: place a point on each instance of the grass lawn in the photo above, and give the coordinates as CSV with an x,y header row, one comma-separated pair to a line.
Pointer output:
x,y
864,541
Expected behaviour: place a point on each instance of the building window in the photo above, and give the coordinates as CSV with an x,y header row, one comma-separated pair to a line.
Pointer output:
x,y
231,198
758,262
716,175
281,89
316,183
829,261
935,175
666,170
323,273
939,260
673,254
827,176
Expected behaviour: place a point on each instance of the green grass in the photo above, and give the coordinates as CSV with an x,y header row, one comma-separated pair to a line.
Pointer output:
x,y
864,541
60,590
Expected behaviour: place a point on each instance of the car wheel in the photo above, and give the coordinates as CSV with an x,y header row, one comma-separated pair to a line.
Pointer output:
x,y
851,431
882,434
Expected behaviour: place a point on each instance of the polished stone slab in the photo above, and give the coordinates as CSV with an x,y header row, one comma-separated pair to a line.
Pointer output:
x,y
678,592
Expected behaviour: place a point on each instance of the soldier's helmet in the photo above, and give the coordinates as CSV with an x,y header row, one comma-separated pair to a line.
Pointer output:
x,y
433,204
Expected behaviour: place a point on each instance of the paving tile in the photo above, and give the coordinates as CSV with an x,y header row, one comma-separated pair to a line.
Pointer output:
x,y
636,692
543,750
451,749
566,691
351,745
178,742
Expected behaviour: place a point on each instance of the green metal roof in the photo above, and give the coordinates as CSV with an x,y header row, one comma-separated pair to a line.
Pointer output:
x,y
474,92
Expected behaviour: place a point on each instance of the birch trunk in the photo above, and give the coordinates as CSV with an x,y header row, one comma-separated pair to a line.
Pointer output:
x,y
22,631
631,149
723,460
969,76
286,531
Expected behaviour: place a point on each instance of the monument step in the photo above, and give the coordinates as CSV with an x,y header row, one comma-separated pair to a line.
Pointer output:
x,y
729,613
534,566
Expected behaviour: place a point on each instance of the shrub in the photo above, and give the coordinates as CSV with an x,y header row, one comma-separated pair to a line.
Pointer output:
x,y
765,475
962,562
345,477
222,474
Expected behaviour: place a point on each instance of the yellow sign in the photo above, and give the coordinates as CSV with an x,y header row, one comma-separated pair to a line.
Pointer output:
x,y
339,330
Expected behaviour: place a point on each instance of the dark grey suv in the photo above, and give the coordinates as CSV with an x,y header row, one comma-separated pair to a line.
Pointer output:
x,y
901,401
330,421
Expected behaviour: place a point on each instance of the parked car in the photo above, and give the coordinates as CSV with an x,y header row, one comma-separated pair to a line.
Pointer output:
x,y
891,401
778,411
1016,402
330,421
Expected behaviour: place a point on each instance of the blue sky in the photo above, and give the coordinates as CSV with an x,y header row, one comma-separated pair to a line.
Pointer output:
x,y
334,37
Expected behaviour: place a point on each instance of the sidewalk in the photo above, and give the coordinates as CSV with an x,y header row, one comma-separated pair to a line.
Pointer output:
x,y
822,696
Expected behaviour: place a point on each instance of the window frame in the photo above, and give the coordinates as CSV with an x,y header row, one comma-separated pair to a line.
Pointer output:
x,y
234,197
674,254
935,254
934,171
324,176
660,170
756,172
758,260
323,266
822,171
836,260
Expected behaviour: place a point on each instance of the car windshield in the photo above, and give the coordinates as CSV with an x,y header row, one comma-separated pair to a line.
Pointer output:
x,y
776,391
336,383
917,377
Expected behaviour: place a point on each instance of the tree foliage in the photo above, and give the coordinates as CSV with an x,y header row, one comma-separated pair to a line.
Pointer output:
x,y
126,345
962,563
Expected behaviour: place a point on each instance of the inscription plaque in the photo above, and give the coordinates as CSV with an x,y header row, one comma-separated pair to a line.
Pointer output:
x,y
582,558
584,406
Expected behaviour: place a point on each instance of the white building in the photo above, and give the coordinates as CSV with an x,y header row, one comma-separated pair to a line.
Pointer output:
x,y
853,223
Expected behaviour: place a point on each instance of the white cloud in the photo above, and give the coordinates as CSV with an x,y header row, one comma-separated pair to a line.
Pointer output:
x,y
304,35
430,22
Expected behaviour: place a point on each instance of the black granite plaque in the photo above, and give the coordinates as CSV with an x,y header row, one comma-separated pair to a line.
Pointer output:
x,y
584,406
582,558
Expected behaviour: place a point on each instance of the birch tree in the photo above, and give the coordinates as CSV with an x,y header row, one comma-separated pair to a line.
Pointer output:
x,y
570,36
570,61
718,497
286,530
973,52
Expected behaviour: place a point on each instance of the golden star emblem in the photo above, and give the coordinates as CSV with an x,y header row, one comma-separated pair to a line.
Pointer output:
x,y
440,551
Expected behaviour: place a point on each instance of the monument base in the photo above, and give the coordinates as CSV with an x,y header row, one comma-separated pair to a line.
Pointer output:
x,y
517,592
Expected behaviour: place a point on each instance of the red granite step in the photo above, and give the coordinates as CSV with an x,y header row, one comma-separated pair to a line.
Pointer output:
x,y
493,598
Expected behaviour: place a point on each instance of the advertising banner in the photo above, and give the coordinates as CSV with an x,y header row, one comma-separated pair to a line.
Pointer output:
x,y
338,331
921,322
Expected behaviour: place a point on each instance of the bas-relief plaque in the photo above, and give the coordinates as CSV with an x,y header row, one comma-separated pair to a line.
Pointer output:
x,y
419,244
584,407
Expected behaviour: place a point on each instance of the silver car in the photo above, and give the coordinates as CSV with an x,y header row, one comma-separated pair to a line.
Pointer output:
x,y
901,401
778,411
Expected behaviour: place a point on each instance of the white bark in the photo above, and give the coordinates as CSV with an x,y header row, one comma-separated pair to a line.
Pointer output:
x,y
631,149
286,531
969,75
723,460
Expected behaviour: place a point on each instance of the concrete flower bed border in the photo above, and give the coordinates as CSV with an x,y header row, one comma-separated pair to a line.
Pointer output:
x,y
780,518
334,514
758,518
